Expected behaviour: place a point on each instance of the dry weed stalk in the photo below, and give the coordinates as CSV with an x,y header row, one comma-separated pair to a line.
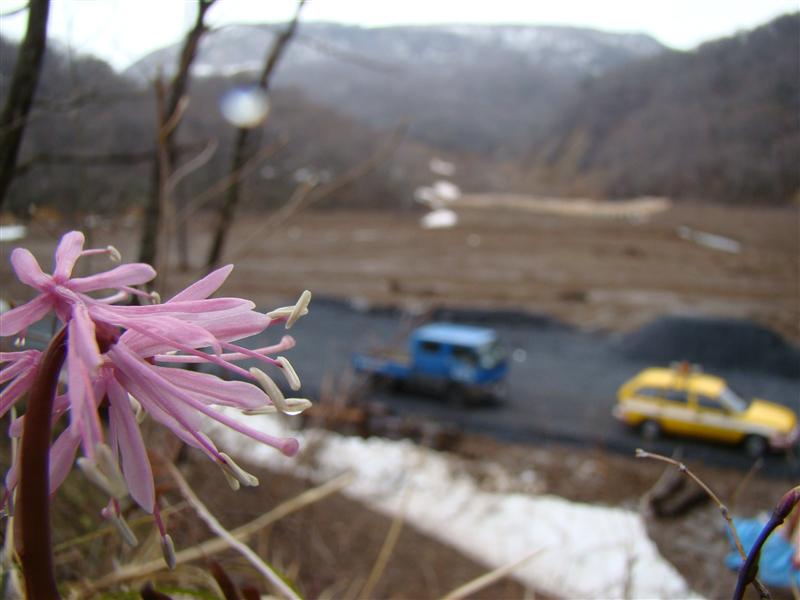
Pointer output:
x,y
386,549
762,591
487,579
226,536
216,545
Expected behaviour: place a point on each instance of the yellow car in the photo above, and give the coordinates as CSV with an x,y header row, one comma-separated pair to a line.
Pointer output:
x,y
685,401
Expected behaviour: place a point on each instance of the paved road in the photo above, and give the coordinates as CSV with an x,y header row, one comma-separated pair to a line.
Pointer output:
x,y
562,382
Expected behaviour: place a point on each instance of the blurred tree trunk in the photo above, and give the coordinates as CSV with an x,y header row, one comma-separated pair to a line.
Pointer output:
x,y
148,249
244,146
21,91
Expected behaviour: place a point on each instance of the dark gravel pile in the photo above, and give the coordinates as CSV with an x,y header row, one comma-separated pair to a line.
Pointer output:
x,y
717,343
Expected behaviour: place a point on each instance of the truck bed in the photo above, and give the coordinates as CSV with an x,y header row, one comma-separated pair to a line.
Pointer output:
x,y
384,361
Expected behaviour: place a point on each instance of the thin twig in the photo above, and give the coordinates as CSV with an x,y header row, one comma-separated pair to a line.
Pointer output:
x,y
722,508
190,166
109,529
292,206
216,545
215,526
487,579
746,480
227,181
386,550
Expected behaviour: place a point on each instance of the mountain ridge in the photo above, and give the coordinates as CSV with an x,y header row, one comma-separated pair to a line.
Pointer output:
x,y
476,88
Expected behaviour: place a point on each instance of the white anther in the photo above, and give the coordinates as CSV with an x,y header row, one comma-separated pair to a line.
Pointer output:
x,y
108,467
137,409
94,475
232,481
19,342
155,297
238,472
124,530
114,254
297,405
168,550
299,308
289,373
270,387
267,409
284,312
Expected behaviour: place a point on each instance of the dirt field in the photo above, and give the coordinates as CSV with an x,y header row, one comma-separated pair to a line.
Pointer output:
x,y
599,270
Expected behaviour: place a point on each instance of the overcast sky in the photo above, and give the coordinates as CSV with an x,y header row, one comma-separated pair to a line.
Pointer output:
x,y
121,31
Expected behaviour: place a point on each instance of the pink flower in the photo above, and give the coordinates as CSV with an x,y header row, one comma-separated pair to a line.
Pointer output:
x,y
121,355
20,372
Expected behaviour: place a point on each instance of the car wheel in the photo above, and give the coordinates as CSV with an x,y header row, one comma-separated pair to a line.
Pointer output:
x,y
651,430
755,446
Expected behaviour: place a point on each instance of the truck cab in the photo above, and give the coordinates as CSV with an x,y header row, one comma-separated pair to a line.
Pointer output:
x,y
455,360
459,353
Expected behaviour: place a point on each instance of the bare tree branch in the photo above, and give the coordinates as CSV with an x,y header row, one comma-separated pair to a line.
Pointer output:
x,y
308,192
241,150
21,91
97,160
178,88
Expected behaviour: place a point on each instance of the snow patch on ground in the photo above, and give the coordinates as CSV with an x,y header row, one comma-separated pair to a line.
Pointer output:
x,y
582,550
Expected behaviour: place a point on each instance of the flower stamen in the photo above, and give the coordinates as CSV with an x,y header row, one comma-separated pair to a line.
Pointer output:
x,y
168,550
113,514
104,472
137,409
270,387
236,474
289,373
292,313
297,405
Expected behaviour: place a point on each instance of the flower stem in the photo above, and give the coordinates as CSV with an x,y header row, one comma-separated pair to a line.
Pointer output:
x,y
33,504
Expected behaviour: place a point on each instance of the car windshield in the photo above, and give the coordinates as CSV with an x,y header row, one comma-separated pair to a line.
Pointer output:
x,y
491,355
731,400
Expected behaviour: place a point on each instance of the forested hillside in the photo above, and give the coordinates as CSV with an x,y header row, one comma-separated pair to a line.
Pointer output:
x,y
720,122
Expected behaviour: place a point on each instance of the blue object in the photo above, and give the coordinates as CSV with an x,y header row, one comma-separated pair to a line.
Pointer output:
x,y
775,566
443,354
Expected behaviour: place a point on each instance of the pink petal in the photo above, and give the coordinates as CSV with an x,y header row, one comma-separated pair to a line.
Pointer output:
x,y
62,455
213,390
182,309
154,335
139,379
14,369
14,391
82,338
20,318
67,253
60,406
28,270
232,325
83,413
25,356
205,287
124,275
135,464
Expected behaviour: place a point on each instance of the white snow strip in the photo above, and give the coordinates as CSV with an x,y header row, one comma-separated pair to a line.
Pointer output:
x,y
584,551
710,240
12,233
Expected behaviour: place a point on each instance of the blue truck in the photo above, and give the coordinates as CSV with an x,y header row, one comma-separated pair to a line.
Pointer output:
x,y
456,362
